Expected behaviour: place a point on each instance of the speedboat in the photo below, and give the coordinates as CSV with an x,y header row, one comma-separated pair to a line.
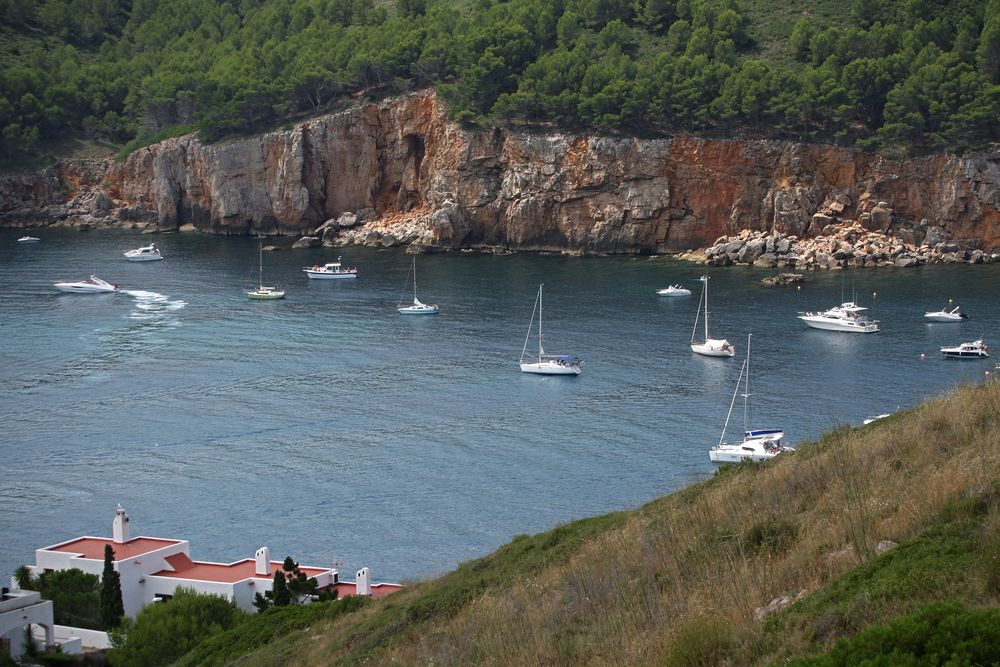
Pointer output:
x,y
977,349
92,285
330,271
757,444
845,317
147,253
943,315
674,290
28,239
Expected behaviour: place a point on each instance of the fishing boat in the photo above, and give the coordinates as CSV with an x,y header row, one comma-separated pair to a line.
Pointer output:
x,y
28,239
944,315
330,271
977,349
417,308
263,292
757,444
674,290
546,364
710,347
147,253
92,285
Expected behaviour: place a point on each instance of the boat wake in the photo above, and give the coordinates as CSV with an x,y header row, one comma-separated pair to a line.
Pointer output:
x,y
152,305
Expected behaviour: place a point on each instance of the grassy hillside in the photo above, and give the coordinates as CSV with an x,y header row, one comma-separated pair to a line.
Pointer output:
x,y
679,581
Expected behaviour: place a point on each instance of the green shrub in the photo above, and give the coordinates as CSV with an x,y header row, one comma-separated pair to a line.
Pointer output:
x,y
700,642
773,536
937,634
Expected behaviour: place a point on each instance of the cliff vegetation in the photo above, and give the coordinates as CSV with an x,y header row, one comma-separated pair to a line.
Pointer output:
x,y
915,76
877,543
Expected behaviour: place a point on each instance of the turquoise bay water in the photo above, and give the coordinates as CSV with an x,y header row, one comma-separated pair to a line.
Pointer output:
x,y
327,424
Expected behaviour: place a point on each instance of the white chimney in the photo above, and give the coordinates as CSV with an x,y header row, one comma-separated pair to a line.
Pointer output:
x,y
119,529
363,584
262,561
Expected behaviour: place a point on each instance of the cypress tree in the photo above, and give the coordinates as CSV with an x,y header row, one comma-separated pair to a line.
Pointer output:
x,y
112,608
279,590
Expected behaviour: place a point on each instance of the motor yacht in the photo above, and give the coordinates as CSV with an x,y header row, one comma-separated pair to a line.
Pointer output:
x,y
92,285
147,253
330,271
977,349
845,317
674,290
953,315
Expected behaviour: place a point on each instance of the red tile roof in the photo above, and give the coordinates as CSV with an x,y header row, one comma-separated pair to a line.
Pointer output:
x,y
185,568
93,547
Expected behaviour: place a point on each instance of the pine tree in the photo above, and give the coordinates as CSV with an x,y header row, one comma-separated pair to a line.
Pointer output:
x,y
112,608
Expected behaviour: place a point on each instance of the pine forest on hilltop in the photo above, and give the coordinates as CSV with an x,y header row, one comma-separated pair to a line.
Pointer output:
x,y
912,76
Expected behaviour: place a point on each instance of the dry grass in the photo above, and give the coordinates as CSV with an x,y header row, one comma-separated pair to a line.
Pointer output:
x,y
656,588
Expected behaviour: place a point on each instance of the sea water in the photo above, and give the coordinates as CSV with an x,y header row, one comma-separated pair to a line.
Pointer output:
x,y
327,426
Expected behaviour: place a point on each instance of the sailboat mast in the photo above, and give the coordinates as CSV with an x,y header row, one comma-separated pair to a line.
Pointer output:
x,y
540,322
729,414
746,395
414,280
706,307
260,266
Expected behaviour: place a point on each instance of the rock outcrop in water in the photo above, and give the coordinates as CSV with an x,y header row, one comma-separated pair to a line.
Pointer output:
x,y
400,172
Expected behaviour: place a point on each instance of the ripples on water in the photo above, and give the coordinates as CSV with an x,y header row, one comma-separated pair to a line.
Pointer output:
x,y
327,423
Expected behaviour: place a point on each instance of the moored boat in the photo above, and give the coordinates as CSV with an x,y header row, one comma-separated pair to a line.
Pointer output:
x,y
28,239
417,308
757,444
977,349
943,315
845,317
147,253
546,364
263,292
330,271
709,347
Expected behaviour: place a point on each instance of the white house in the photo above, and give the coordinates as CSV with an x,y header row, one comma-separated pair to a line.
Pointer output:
x,y
152,568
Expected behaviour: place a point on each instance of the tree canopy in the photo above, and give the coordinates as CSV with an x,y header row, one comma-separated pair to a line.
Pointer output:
x,y
918,76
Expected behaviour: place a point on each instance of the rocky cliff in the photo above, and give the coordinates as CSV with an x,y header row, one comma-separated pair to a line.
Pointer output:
x,y
405,174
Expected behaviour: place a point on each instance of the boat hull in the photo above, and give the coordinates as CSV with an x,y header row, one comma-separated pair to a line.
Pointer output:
x,y
71,288
716,456
965,355
827,325
714,349
266,296
416,310
28,239
934,317
143,258
669,292
550,368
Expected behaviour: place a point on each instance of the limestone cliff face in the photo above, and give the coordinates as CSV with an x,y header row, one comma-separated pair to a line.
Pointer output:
x,y
420,177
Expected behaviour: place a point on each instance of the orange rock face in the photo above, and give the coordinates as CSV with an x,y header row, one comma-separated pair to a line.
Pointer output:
x,y
406,161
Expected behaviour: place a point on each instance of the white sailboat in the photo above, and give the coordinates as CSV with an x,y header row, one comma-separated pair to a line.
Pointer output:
x,y
711,347
263,292
757,444
546,364
417,308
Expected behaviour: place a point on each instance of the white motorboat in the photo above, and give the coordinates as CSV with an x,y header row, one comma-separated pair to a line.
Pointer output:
x,y
546,364
757,444
710,347
330,271
417,308
845,317
977,349
147,253
953,315
674,290
28,239
263,292
92,285
869,420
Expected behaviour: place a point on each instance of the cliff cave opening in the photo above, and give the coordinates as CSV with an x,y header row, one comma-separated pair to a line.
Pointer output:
x,y
409,187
